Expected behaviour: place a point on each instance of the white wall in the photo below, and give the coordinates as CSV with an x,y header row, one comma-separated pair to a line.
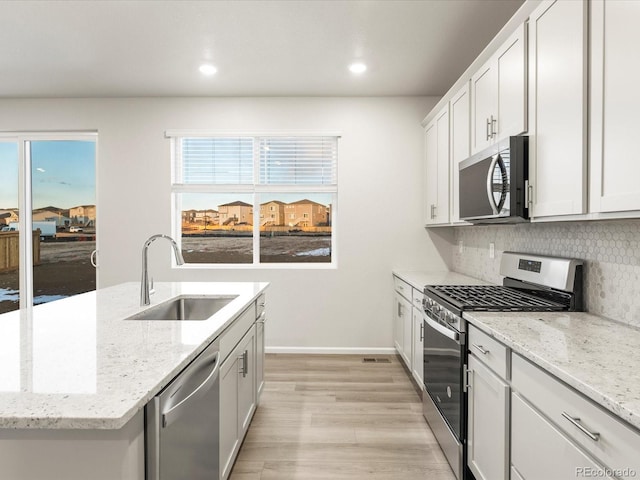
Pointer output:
x,y
380,166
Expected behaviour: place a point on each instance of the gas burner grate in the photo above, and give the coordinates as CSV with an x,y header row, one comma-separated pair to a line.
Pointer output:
x,y
494,298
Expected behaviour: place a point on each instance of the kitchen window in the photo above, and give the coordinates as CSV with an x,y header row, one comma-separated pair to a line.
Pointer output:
x,y
255,199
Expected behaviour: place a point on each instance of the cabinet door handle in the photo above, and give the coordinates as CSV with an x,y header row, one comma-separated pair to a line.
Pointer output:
x,y
261,318
576,422
480,348
466,381
421,331
487,129
245,363
399,309
494,131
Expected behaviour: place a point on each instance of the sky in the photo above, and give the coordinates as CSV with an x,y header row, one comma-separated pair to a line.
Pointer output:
x,y
63,173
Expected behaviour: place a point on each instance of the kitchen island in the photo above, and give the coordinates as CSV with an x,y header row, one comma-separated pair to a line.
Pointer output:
x,y
76,376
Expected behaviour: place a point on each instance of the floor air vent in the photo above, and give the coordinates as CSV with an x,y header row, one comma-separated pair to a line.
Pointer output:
x,y
375,360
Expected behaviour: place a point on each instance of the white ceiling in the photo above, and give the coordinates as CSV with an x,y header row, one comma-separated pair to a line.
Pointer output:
x,y
261,48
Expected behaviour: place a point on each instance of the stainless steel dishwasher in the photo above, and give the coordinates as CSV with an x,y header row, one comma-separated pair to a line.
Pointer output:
x,y
182,423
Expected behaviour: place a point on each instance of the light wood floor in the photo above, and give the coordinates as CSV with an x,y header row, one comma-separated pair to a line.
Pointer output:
x,y
335,417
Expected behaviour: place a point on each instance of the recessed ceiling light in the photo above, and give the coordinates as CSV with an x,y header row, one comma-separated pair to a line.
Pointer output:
x,y
207,69
358,68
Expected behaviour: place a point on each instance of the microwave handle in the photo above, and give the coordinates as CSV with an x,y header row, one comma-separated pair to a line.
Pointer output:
x,y
492,201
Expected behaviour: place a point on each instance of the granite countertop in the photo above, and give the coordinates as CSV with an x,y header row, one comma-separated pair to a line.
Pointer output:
x,y
77,364
418,279
596,356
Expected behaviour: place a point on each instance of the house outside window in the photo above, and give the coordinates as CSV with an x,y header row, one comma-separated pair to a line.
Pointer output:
x,y
270,193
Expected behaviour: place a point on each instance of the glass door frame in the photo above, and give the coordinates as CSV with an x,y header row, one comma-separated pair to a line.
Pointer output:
x,y
25,207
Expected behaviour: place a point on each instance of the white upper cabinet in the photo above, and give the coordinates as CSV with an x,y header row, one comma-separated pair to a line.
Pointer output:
x,y
558,108
499,93
615,100
460,113
437,169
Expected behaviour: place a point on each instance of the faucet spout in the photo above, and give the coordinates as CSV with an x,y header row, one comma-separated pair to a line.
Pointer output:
x,y
145,290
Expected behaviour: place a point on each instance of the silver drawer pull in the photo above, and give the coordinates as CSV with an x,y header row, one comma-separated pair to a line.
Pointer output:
x,y
576,422
481,349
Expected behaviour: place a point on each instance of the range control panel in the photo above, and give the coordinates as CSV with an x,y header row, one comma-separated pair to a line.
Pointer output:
x,y
529,265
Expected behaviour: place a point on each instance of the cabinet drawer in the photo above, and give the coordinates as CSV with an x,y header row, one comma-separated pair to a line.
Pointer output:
x,y
402,287
491,352
417,298
616,444
531,432
234,332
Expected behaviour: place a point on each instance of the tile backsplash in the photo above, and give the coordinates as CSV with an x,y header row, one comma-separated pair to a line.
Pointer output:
x,y
611,250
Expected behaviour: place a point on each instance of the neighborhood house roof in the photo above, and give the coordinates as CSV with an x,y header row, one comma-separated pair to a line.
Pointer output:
x,y
235,204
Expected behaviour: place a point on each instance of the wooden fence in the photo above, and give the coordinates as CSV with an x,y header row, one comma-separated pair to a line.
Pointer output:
x,y
9,250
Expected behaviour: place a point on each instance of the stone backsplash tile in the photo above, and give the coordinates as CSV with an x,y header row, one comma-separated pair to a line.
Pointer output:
x,y
611,250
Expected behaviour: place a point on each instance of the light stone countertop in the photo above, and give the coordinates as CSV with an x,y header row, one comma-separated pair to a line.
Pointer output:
x,y
418,279
596,356
77,364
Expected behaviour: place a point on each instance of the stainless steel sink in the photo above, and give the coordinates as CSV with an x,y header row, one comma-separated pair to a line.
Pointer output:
x,y
184,307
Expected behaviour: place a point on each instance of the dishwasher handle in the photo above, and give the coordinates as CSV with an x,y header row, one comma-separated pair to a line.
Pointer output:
x,y
170,415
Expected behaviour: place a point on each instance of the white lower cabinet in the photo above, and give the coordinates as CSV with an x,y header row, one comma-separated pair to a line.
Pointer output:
x,y
237,399
241,380
407,327
260,344
488,423
525,424
229,424
539,451
402,328
588,435
417,357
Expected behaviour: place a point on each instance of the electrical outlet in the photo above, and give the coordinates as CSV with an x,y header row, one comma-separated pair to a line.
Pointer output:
x,y
460,247
492,250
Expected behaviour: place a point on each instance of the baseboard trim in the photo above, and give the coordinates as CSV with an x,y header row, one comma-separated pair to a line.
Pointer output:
x,y
332,350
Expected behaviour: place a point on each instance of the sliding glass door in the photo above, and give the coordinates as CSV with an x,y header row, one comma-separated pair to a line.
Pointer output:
x,y
9,239
51,215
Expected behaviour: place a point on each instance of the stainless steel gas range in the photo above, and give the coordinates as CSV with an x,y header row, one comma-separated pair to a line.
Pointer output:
x,y
531,283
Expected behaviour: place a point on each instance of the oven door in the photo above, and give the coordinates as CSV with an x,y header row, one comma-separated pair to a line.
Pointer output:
x,y
443,364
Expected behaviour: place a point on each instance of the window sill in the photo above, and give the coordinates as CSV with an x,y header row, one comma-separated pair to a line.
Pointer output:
x,y
261,266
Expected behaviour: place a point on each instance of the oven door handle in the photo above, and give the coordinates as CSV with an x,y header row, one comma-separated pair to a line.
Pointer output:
x,y
447,332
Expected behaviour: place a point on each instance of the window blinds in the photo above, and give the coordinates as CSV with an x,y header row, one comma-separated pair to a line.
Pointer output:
x,y
217,161
298,160
281,160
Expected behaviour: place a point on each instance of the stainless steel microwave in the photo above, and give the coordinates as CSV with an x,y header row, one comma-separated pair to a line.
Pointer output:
x,y
493,183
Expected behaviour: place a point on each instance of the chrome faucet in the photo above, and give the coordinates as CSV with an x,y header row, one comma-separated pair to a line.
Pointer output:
x,y
145,284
